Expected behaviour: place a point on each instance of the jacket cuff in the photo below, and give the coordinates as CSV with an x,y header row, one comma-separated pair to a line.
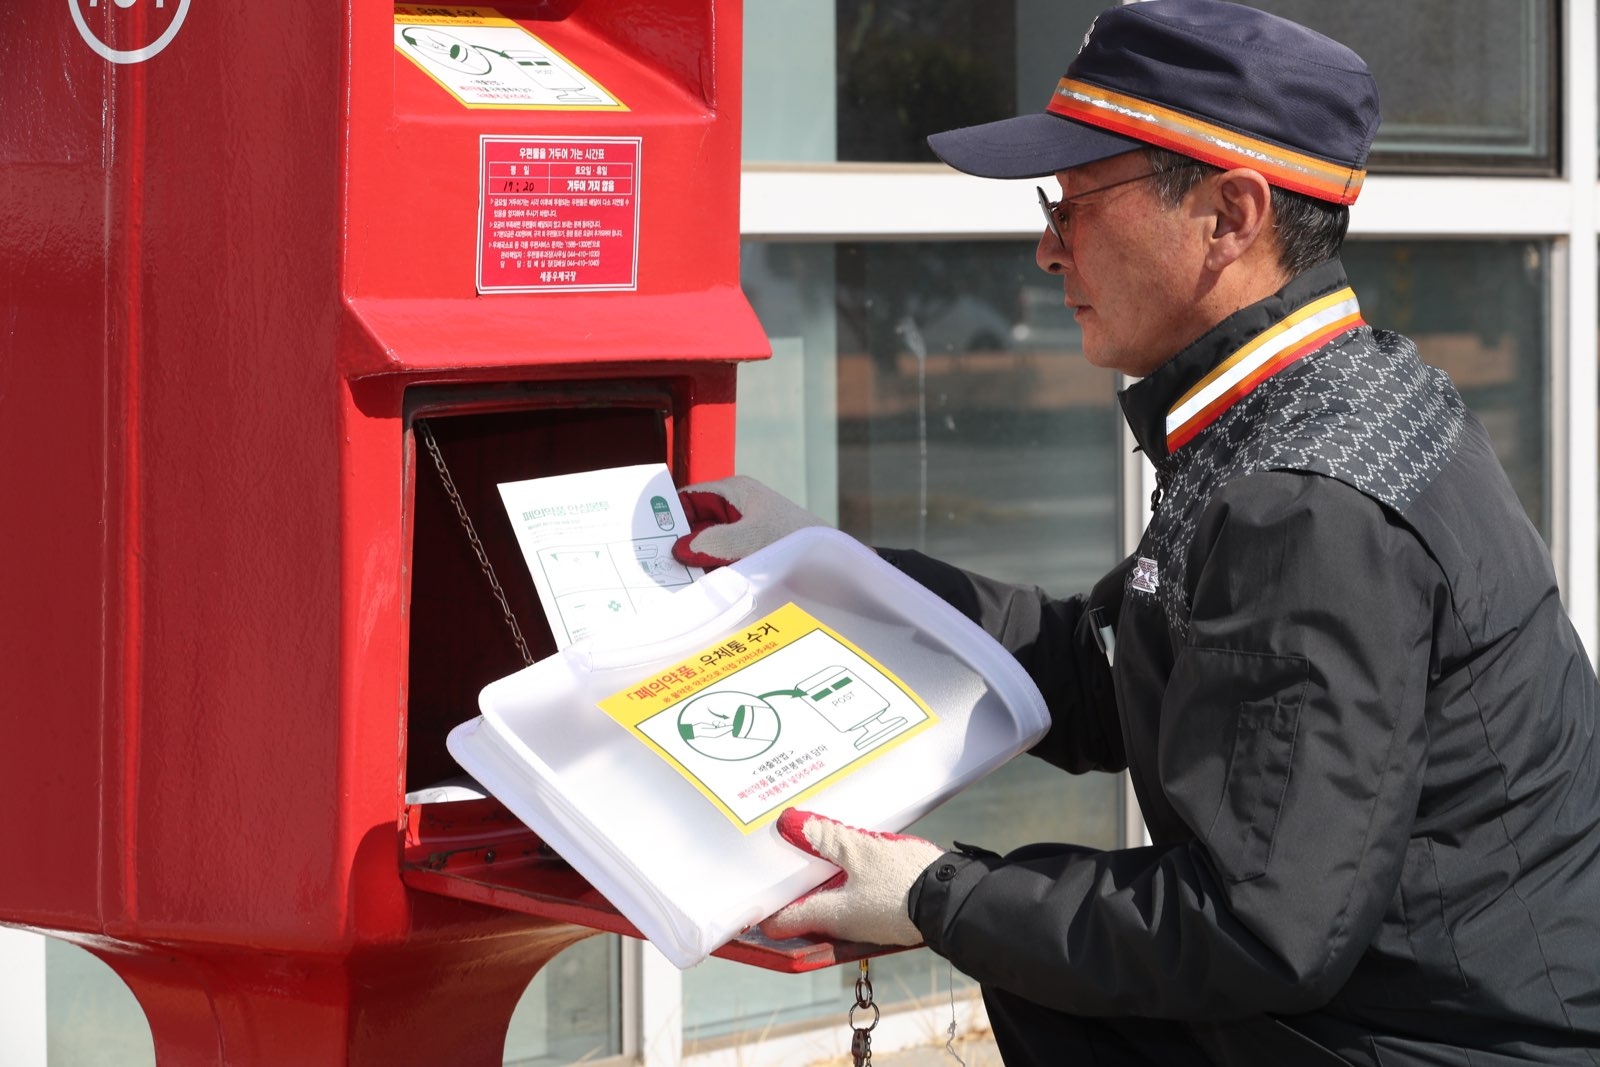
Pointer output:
x,y
943,886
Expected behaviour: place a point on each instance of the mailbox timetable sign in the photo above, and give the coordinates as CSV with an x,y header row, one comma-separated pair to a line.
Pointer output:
x,y
558,214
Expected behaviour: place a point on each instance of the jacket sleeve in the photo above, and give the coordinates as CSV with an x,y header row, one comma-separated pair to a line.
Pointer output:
x,y
1292,746
1055,641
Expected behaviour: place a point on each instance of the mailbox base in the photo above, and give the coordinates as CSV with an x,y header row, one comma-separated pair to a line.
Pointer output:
x,y
442,1002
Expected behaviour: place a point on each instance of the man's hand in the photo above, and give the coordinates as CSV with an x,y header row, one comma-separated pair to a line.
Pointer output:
x,y
866,900
731,518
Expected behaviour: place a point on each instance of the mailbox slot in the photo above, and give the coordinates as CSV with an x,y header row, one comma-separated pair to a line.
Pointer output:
x,y
459,637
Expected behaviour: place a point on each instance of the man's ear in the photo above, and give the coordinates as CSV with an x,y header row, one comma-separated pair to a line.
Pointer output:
x,y
1242,205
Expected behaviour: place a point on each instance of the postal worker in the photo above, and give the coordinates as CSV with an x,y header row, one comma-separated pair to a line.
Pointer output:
x,y
1360,725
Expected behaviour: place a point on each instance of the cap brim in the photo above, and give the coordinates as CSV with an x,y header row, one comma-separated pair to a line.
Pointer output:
x,y
1028,146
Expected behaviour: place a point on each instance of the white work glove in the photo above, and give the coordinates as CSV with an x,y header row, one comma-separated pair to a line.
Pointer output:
x,y
731,518
866,900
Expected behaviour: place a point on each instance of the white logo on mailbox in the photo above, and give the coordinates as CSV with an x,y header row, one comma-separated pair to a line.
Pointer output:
x,y
94,19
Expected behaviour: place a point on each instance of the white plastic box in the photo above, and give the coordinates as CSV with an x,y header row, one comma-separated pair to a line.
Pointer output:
x,y
654,756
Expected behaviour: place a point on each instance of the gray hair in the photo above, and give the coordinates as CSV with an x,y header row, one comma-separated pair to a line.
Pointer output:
x,y
1310,231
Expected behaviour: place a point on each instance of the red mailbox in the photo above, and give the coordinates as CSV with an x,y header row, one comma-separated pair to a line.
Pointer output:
x,y
251,252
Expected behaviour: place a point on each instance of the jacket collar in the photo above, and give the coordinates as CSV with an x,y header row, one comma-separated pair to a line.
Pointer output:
x,y
1192,389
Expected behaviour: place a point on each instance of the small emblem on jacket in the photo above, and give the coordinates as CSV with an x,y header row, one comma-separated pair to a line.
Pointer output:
x,y
1145,579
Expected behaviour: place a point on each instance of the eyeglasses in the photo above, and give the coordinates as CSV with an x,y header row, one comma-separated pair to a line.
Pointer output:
x,y
1055,215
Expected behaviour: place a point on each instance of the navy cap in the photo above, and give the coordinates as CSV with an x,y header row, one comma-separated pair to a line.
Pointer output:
x,y
1219,82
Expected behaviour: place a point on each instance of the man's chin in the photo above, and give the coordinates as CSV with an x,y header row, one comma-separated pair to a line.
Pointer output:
x,y
1095,353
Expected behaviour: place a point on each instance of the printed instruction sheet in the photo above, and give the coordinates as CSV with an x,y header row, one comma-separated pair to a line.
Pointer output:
x,y
771,715
599,544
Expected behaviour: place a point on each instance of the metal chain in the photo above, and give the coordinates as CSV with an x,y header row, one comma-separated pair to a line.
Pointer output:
x,y
861,1038
426,434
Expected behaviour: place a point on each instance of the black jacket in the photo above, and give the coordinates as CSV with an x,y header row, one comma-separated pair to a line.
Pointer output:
x,y
1359,723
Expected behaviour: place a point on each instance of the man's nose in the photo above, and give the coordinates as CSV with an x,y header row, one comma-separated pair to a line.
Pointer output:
x,y
1049,253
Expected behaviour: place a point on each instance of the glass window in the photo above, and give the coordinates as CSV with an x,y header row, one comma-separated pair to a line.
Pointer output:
x,y
934,396
1458,92
91,1016
571,1011
929,396
868,80
1477,310
970,427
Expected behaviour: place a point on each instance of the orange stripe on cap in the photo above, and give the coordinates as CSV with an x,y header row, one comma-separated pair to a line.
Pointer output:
x,y
1218,145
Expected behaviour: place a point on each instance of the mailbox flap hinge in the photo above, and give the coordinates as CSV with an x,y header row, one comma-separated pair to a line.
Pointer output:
x,y
477,850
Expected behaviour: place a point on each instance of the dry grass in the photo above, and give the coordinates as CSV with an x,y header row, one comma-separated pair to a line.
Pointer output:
x,y
974,1049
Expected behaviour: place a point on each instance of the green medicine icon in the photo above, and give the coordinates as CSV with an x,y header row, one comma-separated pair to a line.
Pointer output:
x,y
663,513
730,726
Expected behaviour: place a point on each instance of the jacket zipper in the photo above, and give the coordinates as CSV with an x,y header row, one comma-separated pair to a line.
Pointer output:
x,y
1163,479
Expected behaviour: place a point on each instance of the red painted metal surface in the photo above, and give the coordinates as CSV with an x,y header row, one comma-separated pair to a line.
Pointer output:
x,y
227,271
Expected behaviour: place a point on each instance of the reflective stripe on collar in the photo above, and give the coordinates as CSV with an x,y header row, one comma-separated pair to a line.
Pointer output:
x,y
1304,330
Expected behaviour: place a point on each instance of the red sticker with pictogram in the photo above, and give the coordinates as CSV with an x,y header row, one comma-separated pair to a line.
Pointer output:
x,y
558,214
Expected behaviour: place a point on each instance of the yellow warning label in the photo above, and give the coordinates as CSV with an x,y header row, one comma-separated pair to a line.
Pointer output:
x,y
435,15
486,60
771,715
